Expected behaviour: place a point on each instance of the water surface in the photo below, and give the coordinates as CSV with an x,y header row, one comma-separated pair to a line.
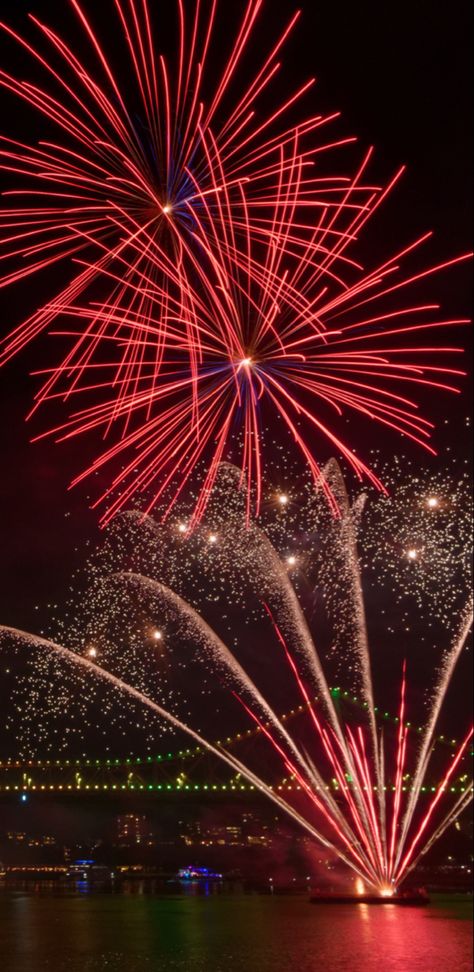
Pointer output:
x,y
75,932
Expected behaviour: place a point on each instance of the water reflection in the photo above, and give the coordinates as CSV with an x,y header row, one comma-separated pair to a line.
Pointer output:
x,y
202,929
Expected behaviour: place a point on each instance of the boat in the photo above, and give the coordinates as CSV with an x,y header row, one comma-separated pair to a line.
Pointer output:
x,y
415,897
198,874
86,870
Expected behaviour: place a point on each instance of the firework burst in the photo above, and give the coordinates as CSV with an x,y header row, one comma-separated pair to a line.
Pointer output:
x,y
277,342
231,290
139,160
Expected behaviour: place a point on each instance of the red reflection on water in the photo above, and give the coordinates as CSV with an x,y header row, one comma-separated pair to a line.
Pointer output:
x,y
407,939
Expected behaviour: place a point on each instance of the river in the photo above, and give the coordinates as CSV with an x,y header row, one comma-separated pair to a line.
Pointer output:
x,y
51,931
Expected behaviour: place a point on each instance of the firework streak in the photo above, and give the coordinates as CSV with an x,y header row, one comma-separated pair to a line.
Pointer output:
x,y
208,254
354,789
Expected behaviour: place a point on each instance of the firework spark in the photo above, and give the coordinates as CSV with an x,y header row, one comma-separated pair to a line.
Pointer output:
x,y
355,789
418,538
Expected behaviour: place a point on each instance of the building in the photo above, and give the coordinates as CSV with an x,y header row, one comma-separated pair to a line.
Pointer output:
x,y
134,830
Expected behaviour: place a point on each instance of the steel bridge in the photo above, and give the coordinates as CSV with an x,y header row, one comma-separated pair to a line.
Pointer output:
x,y
185,772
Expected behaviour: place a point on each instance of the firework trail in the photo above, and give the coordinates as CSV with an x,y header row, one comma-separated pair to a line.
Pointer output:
x,y
169,605
447,668
31,641
214,281
375,822
356,835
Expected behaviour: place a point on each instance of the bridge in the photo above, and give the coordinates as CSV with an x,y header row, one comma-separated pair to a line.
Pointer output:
x,y
185,772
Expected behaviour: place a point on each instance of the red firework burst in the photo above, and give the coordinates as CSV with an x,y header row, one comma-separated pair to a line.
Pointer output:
x,y
136,160
285,336
228,292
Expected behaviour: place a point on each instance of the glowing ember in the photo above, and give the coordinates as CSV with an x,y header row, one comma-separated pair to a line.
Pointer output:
x,y
407,519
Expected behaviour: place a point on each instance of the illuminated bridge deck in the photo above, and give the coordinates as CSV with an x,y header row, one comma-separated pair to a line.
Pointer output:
x,y
185,772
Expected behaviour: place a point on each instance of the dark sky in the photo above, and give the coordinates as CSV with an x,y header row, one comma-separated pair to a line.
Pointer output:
x,y
400,74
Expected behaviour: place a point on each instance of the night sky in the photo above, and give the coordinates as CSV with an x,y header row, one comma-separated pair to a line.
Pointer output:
x,y
400,74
